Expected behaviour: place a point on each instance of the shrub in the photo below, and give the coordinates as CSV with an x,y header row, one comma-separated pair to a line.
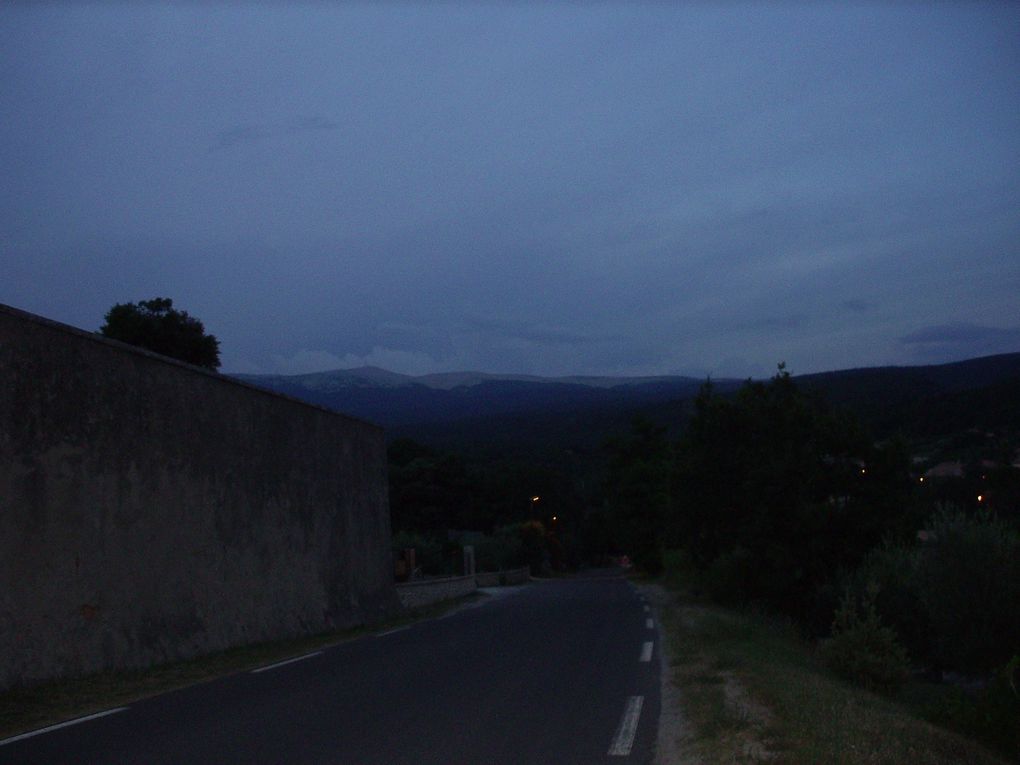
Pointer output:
x,y
950,598
429,552
889,577
729,578
969,586
502,550
534,547
991,714
864,650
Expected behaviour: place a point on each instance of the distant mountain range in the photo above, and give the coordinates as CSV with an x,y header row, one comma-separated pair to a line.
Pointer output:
x,y
464,407
396,400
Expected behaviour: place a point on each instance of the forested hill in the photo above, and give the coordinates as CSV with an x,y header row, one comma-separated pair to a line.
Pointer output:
x,y
926,401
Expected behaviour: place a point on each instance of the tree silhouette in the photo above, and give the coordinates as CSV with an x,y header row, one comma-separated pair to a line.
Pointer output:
x,y
156,325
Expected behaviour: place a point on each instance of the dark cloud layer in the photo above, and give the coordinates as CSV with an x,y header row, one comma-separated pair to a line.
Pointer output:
x,y
239,134
940,341
618,189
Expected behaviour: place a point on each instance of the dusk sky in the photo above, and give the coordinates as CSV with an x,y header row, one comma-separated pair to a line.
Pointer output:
x,y
611,189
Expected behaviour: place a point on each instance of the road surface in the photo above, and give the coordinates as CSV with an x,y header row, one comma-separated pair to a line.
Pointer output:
x,y
558,671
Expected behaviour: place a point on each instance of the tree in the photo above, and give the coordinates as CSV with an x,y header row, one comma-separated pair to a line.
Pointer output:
x,y
775,493
639,493
156,325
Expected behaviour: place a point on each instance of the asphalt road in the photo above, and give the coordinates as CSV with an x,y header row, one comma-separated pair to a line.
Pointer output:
x,y
558,671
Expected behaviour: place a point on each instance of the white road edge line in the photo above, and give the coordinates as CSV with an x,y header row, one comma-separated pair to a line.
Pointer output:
x,y
624,738
390,632
649,624
39,732
288,661
646,651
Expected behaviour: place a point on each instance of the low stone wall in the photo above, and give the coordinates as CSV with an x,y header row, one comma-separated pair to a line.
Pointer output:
x,y
428,591
501,578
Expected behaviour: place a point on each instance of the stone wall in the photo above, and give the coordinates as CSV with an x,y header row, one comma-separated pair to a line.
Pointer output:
x,y
425,592
152,511
428,591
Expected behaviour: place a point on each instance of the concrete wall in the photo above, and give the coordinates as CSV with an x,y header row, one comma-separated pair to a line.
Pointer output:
x,y
152,511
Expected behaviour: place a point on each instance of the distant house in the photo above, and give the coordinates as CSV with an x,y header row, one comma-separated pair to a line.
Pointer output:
x,y
945,470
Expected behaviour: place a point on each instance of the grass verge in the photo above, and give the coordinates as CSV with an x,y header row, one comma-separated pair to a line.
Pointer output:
x,y
752,690
27,709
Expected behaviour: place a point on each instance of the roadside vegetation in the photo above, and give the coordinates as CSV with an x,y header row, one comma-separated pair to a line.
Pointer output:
x,y
751,688
786,512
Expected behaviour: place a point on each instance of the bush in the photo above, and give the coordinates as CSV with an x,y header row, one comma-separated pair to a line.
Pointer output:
x,y
950,598
969,586
430,553
864,650
889,577
729,578
534,547
500,551
991,715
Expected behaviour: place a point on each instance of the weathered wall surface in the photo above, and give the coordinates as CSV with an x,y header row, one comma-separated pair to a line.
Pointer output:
x,y
150,511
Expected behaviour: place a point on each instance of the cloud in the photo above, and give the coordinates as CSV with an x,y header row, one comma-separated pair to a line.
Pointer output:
x,y
239,134
394,360
312,123
961,334
857,306
536,333
776,323
948,342
305,361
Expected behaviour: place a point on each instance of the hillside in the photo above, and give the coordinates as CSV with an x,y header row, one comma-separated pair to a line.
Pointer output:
x,y
928,401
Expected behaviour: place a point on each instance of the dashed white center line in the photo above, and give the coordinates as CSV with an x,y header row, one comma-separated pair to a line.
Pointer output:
x,y
647,609
39,732
646,651
284,663
624,738
649,624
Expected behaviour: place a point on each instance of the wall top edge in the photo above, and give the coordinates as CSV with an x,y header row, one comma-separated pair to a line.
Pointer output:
x,y
134,349
440,580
